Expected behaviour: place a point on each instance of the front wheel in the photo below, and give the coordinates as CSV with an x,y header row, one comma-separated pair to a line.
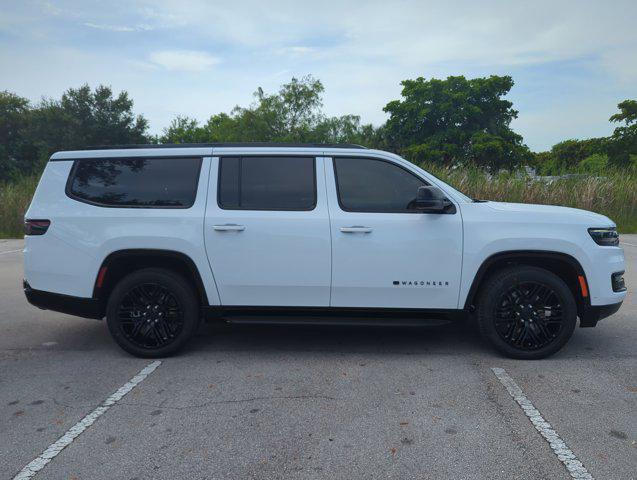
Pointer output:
x,y
152,312
526,312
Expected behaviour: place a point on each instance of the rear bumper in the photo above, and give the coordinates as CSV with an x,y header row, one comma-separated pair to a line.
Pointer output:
x,y
78,306
594,313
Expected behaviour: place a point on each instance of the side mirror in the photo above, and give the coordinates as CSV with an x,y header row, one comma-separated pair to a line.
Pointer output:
x,y
431,200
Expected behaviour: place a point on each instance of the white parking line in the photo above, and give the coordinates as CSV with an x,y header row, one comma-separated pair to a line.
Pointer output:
x,y
65,440
10,251
564,454
626,243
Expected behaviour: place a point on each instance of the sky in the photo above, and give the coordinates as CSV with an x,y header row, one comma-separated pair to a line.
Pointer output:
x,y
572,61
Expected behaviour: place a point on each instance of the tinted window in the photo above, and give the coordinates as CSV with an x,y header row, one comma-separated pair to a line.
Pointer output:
x,y
136,182
366,185
267,183
229,182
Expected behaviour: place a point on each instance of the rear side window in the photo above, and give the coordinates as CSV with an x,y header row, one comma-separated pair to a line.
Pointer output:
x,y
267,183
136,182
367,185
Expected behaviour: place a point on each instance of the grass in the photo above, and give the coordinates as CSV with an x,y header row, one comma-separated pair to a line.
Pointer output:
x,y
613,195
14,200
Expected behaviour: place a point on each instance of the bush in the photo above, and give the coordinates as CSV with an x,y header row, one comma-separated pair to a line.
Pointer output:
x,y
15,198
595,164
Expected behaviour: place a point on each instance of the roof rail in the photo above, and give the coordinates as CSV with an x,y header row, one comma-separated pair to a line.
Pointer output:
x,y
224,144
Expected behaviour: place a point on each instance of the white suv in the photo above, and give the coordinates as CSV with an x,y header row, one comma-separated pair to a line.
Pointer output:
x,y
156,238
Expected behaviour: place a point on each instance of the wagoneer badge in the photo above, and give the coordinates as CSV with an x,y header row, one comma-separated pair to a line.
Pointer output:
x,y
420,283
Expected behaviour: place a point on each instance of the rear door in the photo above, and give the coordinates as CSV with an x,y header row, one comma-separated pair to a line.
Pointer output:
x,y
385,253
267,231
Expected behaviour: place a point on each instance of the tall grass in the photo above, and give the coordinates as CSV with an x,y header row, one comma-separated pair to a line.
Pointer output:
x,y
613,195
14,200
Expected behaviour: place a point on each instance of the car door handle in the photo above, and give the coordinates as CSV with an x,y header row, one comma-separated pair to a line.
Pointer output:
x,y
356,229
229,227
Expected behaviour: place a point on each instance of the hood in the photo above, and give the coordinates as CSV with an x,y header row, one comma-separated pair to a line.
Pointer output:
x,y
567,214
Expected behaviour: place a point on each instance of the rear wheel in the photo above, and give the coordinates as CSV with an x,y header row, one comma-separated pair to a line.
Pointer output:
x,y
152,312
526,312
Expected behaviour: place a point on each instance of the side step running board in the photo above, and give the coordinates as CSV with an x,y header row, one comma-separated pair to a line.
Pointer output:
x,y
346,321
333,316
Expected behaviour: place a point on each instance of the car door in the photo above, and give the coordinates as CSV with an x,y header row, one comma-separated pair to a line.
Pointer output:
x,y
384,252
267,230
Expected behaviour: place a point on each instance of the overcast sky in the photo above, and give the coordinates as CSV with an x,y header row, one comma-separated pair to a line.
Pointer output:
x,y
572,62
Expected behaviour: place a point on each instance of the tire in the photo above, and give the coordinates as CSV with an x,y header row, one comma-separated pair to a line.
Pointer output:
x,y
526,312
152,313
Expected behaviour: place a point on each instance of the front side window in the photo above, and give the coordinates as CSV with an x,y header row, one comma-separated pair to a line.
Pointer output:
x,y
136,182
369,185
267,183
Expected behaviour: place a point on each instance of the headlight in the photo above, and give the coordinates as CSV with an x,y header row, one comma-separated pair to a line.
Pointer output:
x,y
606,237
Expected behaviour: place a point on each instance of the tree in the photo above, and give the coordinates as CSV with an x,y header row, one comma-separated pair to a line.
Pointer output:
x,y
567,155
348,129
14,112
456,121
83,118
293,114
287,116
184,130
622,148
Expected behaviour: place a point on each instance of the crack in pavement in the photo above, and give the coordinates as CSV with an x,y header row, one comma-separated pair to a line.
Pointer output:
x,y
211,402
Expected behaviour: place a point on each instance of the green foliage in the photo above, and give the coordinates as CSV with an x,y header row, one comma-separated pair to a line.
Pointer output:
x,y
567,155
456,121
13,121
620,148
543,163
293,114
627,112
184,130
79,119
15,197
596,164
504,151
83,117
623,144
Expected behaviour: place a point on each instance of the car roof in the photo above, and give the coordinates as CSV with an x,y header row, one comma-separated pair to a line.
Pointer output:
x,y
209,149
226,145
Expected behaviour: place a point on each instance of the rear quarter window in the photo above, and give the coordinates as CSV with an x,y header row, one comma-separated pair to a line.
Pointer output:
x,y
135,182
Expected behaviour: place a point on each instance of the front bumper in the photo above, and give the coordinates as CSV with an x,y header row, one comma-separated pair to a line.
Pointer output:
x,y
603,263
78,306
594,313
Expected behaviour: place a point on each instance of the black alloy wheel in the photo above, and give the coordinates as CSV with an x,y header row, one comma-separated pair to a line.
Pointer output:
x,y
528,316
152,312
526,312
150,316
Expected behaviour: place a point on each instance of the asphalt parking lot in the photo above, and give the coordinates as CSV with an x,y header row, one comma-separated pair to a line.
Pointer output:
x,y
292,402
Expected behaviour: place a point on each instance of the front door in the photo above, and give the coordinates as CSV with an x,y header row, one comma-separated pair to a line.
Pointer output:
x,y
384,252
267,230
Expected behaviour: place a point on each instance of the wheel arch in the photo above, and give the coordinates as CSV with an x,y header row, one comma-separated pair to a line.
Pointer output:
x,y
120,263
565,266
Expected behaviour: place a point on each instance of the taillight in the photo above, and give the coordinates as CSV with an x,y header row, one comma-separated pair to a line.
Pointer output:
x,y
36,227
